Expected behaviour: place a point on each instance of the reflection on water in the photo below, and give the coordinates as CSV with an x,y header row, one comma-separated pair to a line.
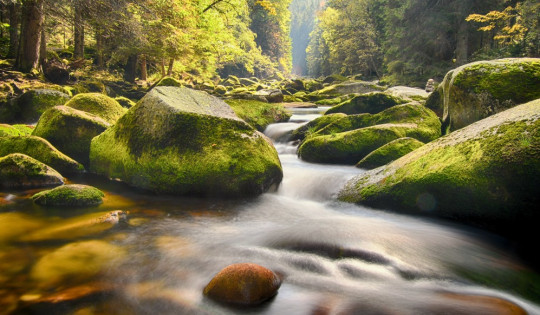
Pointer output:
x,y
334,257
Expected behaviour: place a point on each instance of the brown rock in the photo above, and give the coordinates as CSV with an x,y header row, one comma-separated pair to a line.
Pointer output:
x,y
247,284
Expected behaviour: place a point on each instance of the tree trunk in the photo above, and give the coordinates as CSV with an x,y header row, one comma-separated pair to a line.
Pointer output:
x,y
14,21
42,48
162,67
99,47
78,34
462,45
130,71
31,35
171,65
144,71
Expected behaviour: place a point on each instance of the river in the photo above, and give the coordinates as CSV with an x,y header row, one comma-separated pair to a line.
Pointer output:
x,y
334,258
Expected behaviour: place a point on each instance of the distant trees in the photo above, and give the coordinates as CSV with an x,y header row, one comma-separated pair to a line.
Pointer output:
x,y
409,41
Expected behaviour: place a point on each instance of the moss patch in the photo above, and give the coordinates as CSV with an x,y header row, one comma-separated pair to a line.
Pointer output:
x,y
259,114
70,195
15,130
21,171
41,150
371,103
28,107
125,102
389,152
169,81
70,130
98,104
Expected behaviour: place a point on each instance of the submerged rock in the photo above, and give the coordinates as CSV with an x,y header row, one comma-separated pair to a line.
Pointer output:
x,y
477,90
98,104
486,174
182,141
70,131
21,171
247,284
41,150
70,195
389,152
76,263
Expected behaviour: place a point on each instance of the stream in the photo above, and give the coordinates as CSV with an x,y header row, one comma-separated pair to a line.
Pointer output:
x,y
334,258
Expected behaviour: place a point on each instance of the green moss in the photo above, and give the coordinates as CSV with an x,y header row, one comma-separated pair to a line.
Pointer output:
x,y
21,171
32,104
259,114
350,147
371,103
70,131
15,130
90,86
98,104
484,174
389,152
41,150
125,102
315,125
185,150
70,195
169,81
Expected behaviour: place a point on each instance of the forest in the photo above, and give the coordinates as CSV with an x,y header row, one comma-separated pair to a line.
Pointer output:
x,y
400,42
269,157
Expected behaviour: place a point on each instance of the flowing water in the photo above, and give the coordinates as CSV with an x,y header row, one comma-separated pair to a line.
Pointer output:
x,y
334,258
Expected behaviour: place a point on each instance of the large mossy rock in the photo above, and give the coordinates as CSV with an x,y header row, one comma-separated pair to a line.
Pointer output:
x,y
477,90
41,150
389,152
352,146
70,131
70,195
487,174
341,89
182,141
98,104
370,103
245,284
259,114
21,171
28,107
427,122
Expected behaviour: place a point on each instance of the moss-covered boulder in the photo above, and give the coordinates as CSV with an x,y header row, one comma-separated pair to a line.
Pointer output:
x,y
169,81
91,86
76,262
351,146
429,126
70,131
487,174
125,102
371,103
389,152
408,93
245,284
70,195
259,114
182,141
98,104
341,89
21,171
41,150
477,90
28,107
15,130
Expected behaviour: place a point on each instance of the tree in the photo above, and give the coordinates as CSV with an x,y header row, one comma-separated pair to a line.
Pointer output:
x,y
30,41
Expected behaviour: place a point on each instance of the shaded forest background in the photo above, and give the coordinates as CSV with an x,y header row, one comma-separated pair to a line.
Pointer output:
x,y
396,41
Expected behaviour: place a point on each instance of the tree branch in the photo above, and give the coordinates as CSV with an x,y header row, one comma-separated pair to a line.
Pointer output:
x,y
212,5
